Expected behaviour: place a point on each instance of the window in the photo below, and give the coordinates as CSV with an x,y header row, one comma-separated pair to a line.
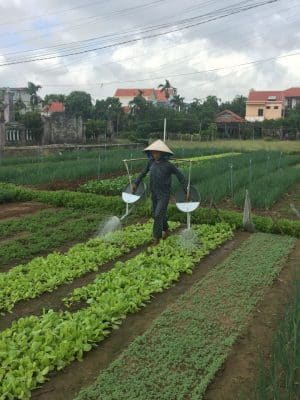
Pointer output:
x,y
275,107
272,98
268,107
260,112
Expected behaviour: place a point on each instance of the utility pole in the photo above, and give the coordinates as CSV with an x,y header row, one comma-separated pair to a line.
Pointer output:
x,y
165,129
200,130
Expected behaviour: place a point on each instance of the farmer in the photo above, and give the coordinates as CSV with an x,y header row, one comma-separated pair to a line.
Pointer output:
x,y
160,184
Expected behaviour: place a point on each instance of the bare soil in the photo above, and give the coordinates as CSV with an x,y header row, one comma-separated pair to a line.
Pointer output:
x,y
65,384
19,209
238,374
74,184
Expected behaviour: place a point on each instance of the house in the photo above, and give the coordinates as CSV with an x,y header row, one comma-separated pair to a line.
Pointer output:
x,y
228,117
154,95
53,107
263,105
229,124
16,100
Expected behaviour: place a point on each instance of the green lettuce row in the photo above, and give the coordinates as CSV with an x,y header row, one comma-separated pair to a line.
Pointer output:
x,y
179,355
45,274
106,186
124,279
33,346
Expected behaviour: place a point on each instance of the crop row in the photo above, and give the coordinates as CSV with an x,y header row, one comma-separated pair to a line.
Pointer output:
x,y
114,186
64,198
186,345
30,235
33,346
267,176
204,215
45,274
70,166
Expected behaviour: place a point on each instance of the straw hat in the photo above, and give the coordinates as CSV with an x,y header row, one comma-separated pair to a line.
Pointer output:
x,y
159,145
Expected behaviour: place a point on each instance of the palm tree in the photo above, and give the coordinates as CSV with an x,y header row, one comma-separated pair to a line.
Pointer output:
x,y
167,88
177,102
32,89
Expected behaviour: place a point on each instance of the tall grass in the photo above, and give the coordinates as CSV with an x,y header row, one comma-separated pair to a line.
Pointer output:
x,y
77,165
267,176
244,145
281,380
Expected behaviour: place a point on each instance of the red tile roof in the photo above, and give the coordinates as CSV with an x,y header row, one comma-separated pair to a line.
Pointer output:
x,y
55,106
133,92
228,116
292,92
160,96
263,95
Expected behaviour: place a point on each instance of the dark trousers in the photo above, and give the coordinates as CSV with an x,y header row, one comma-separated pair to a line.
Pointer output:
x,y
160,205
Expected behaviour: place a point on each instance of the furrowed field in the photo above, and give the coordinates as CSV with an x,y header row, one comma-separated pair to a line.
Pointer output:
x,y
87,316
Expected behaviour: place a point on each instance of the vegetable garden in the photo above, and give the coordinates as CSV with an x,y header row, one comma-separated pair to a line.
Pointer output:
x,y
113,317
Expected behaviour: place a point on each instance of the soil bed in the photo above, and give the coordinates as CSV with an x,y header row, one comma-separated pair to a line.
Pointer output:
x,y
12,210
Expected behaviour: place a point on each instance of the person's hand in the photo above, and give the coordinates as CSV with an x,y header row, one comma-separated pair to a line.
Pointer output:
x,y
133,188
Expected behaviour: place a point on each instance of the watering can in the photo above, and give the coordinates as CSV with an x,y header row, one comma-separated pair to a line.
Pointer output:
x,y
190,205
131,198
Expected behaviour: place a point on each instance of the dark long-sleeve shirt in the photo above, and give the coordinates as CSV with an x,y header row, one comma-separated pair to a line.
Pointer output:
x,y
161,176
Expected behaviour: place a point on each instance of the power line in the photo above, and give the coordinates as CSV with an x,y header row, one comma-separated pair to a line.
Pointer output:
x,y
185,59
154,35
53,13
183,74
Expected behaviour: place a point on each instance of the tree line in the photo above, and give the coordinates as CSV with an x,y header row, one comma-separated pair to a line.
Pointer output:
x,y
144,118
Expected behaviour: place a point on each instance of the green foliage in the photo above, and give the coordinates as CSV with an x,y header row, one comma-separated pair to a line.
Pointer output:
x,y
78,164
79,104
280,379
106,186
63,198
32,89
204,215
45,274
181,352
49,98
33,122
34,234
114,186
267,175
237,105
95,128
36,345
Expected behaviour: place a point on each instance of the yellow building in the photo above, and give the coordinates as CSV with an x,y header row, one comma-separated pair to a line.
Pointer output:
x,y
263,105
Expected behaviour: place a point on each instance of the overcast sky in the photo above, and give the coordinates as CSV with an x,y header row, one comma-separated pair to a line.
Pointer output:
x,y
184,56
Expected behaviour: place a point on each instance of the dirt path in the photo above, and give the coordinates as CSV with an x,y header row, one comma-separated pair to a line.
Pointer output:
x,y
239,372
11,210
65,384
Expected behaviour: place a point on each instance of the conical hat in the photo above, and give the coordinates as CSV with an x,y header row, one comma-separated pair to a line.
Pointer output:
x,y
159,145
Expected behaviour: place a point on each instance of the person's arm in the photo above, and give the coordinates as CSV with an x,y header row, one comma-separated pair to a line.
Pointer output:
x,y
142,174
181,178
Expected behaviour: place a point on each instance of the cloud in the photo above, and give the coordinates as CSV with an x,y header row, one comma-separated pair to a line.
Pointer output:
x,y
264,32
